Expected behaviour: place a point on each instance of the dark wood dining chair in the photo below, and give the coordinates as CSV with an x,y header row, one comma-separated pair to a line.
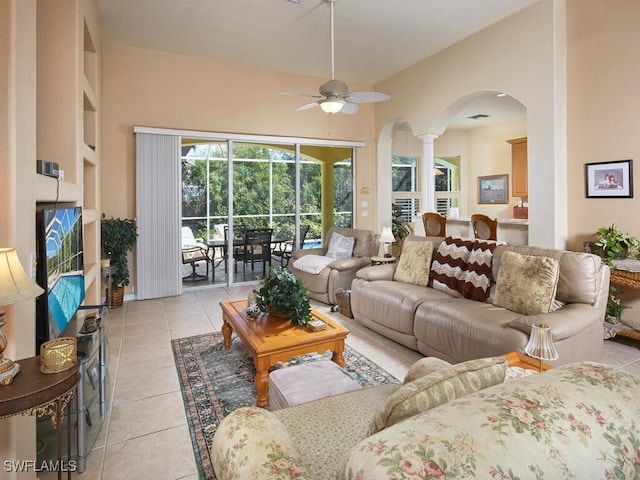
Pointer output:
x,y
435,225
484,227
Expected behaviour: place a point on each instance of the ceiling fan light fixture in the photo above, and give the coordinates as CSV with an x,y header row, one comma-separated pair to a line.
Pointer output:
x,y
331,105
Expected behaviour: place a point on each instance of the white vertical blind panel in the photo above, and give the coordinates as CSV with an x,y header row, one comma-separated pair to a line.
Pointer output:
x,y
158,216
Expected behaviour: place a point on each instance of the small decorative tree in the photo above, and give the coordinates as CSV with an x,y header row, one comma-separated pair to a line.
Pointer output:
x,y
118,237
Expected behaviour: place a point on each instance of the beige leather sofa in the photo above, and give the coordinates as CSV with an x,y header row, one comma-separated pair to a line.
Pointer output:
x,y
458,329
339,272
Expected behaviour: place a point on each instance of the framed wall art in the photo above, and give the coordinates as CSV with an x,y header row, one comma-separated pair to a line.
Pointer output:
x,y
493,189
609,179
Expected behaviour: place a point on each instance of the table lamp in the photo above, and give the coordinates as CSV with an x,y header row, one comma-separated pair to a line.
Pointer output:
x,y
15,287
540,343
387,238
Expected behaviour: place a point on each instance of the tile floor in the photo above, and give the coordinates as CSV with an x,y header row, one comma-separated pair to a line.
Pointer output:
x,y
145,434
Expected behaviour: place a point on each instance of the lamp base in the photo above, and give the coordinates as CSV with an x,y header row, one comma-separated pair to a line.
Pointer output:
x,y
8,370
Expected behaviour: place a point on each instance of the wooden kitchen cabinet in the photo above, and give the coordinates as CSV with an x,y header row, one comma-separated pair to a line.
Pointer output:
x,y
519,187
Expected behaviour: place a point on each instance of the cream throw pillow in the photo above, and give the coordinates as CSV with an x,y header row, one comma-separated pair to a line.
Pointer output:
x,y
340,246
415,263
526,284
442,386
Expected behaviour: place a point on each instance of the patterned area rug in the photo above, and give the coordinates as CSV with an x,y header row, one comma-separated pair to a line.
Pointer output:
x,y
215,382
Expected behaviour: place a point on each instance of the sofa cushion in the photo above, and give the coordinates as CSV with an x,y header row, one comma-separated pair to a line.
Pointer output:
x,y
442,386
450,264
423,367
415,263
526,283
340,246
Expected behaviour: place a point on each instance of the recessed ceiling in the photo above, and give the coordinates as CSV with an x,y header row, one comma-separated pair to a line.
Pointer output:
x,y
374,38
497,110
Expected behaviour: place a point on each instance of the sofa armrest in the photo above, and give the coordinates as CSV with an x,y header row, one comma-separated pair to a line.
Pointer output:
x,y
252,442
377,272
565,322
308,251
350,263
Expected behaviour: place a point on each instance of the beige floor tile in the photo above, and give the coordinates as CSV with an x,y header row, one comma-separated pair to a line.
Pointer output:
x,y
146,431
148,382
142,417
163,455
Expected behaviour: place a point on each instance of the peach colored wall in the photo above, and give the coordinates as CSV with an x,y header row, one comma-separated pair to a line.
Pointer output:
x,y
521,56
17,164
603,76
153,89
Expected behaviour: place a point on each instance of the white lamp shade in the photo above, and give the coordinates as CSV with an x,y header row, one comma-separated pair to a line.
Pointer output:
x,y
540,343
387,236
332,105
15,284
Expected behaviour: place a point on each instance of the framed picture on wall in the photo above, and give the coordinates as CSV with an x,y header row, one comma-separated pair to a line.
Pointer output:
x,y
493,189
609,179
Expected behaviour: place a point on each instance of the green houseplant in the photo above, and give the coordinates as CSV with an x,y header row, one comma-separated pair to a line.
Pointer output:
x,y
117,238
399,227
612,243
281,293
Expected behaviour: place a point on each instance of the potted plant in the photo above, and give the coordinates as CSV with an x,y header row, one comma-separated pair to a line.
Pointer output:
x,y
614,307
117,237
612,243
399,227
281,293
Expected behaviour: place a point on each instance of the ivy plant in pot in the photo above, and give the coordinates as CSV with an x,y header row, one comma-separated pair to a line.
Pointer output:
x,y
118,236
282,294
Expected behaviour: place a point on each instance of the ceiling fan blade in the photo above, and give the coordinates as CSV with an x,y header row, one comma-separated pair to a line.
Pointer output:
x,y
306,106
350,108
367,97
293,94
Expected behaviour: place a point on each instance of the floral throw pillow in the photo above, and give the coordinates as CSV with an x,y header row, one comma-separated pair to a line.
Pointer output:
x,y
415,263
526,283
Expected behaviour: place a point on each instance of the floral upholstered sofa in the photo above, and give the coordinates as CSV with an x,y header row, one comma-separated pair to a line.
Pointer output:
x,y
580,421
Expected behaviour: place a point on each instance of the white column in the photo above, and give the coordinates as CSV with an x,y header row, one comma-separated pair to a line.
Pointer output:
x,y
428,202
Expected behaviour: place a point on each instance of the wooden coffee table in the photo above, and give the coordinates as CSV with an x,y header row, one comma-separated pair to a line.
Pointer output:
x,y
271,339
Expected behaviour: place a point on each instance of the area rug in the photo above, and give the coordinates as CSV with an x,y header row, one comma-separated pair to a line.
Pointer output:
x,y
215,382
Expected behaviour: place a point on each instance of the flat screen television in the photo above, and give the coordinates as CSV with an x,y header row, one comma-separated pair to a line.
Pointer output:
x,y
60,270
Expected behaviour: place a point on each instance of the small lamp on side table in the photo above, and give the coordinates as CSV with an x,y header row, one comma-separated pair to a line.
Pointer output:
x,y
386,238
540,345
15,287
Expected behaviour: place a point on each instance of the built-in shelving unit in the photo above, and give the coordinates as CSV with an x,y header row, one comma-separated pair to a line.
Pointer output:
x,y
68,121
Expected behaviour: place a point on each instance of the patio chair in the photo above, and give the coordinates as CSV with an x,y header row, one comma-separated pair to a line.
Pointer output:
x,y
236,248
285,252
194,252
257,247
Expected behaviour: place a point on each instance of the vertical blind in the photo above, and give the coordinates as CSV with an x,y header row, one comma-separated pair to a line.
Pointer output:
x,y
158,259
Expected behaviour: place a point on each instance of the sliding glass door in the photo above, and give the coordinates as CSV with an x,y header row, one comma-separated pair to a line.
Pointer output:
x,y
264,194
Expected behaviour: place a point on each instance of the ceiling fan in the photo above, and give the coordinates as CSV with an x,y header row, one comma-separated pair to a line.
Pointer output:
x,y
335,95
